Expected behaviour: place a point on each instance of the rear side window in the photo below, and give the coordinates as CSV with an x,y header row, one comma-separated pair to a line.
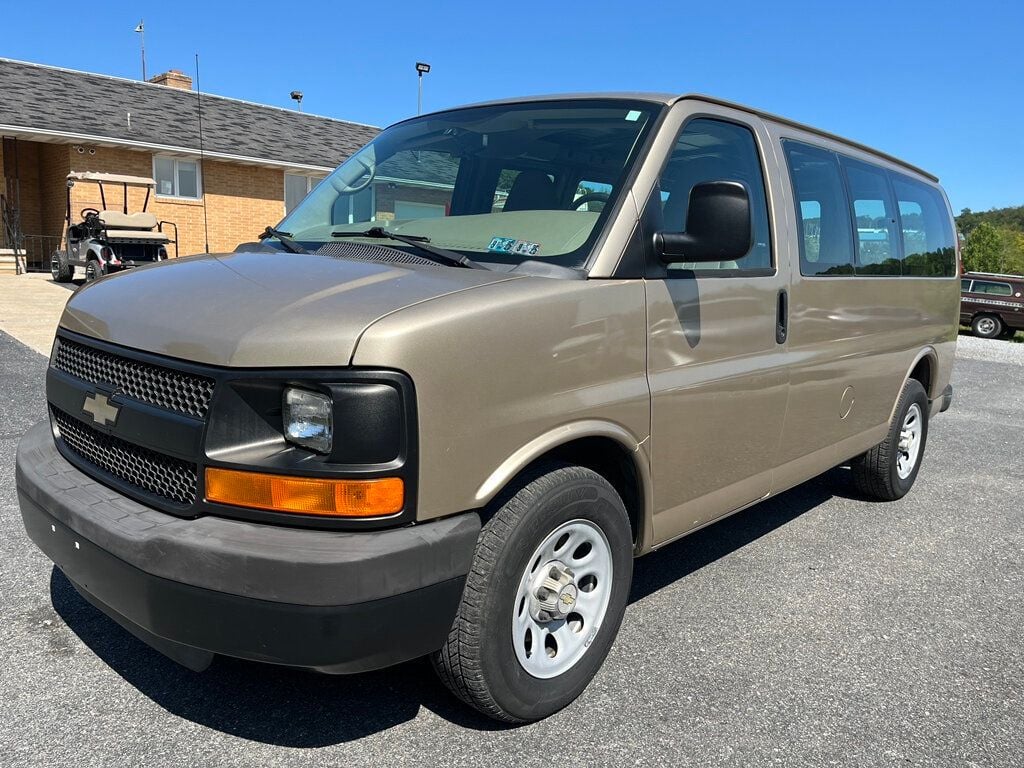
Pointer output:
x,y
859,219
929,246
826,243
965,285
874,216
991,288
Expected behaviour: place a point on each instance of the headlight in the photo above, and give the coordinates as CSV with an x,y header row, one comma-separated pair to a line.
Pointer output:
x,y
308,419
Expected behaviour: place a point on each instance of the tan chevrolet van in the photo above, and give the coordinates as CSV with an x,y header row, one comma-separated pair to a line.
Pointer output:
x,y
496,355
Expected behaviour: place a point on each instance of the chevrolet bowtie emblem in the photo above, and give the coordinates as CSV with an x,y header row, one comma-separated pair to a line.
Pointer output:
x,y
100,408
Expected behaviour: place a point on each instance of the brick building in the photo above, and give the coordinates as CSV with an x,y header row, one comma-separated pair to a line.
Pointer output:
x,y
257,162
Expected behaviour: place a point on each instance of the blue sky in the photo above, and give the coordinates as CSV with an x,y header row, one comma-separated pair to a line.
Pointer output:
x,y
940,84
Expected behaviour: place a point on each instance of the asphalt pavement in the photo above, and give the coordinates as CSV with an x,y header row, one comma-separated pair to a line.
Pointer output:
x,y
815,629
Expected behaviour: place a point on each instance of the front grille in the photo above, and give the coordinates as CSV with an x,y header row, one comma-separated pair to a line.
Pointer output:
x,y
153,472
172,390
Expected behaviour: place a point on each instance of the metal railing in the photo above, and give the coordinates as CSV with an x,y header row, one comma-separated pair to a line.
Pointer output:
x,y
10,232
36,251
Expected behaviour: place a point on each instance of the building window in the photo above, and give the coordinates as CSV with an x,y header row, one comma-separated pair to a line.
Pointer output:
x,y
296,187
176,177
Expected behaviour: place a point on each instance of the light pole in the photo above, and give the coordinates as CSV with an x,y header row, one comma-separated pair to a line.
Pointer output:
x,y
141,29
421,69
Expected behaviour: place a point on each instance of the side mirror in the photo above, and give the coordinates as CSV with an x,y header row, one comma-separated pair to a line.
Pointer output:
x,y
718,226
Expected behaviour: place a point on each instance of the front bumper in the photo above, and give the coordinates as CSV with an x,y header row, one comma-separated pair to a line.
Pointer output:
x,y
332,601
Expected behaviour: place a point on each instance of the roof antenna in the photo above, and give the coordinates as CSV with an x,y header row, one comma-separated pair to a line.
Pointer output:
x,y
202,158
141,29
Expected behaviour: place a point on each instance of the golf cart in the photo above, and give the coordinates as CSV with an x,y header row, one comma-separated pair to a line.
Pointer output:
x,y
105,241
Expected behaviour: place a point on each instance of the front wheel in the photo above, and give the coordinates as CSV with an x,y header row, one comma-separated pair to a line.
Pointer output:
x,y
545,596
60,270
986,326
888,470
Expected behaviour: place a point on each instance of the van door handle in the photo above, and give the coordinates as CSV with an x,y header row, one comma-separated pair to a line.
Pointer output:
x,y
782,318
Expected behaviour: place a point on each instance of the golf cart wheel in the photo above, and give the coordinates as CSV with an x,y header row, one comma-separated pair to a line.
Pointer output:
x,y
60,270
93,270
987,326
544,598
888,471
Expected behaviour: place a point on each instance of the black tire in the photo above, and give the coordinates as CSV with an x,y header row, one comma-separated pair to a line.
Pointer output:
x,y
60,270
1008,333
478,663
986,326
876,473
93,270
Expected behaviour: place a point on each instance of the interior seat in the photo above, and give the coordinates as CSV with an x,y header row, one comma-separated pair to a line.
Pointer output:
x,y
136,221
531,191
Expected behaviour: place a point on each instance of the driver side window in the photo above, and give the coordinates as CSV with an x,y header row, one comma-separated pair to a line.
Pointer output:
x,y
715,150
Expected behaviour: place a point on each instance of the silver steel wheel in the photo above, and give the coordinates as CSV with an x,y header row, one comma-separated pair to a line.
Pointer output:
x,y
55,267
910,442
986,326
562,599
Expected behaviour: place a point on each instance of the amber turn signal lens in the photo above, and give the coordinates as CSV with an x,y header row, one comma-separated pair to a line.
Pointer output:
x,y
306,495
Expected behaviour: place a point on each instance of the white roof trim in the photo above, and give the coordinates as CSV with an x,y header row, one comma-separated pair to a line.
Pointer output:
x,y
46,133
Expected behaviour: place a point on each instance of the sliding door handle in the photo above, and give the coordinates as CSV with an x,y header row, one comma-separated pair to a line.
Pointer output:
x,y
782,318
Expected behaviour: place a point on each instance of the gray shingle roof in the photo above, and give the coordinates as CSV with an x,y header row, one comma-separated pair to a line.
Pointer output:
x,y
84,104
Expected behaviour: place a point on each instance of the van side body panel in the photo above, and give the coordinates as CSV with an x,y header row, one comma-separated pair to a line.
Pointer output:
x,y
853,342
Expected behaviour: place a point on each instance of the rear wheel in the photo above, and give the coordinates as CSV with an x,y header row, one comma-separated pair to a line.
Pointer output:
x,y
545,596
887,471
60,270
986,326
93,270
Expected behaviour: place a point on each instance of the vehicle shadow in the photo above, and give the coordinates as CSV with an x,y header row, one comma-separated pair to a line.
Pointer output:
x,y
293,708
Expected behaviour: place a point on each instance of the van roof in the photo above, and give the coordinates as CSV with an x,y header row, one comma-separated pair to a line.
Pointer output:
x,y
669,99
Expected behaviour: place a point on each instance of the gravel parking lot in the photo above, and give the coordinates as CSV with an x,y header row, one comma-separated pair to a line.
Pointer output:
x,y
814,629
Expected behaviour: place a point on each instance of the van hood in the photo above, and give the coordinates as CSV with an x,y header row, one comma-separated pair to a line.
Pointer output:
x,y
257,309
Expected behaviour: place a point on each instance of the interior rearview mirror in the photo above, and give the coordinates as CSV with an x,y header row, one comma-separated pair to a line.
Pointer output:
x,y
718,225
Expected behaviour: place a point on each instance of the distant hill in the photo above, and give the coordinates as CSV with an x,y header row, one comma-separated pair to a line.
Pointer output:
x,y
1003,218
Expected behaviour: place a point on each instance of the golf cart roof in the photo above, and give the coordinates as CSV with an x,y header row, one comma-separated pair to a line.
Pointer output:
x,y
112,178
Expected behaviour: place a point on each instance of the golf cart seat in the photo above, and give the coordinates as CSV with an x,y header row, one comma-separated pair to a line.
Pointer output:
x,y
136,221
131,226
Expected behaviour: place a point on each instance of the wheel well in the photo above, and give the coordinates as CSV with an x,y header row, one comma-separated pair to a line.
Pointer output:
x,y
614,462
923,373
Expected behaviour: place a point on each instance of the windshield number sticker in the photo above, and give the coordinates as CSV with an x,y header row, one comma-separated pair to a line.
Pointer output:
x,y
511,245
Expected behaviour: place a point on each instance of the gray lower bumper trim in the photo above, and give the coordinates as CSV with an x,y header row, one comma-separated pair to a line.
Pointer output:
x,y
265,562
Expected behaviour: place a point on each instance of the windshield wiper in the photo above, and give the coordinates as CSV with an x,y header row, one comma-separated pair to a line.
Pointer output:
x,y
285,239
441,255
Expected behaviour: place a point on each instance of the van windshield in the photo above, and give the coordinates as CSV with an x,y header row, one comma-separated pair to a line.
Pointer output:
x,y
499,184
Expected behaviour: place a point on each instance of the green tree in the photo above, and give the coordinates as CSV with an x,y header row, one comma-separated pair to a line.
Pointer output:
x,y
983,250
1013,254
991,248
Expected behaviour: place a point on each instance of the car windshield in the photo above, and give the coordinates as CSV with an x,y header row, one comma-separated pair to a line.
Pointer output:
x,y
499,184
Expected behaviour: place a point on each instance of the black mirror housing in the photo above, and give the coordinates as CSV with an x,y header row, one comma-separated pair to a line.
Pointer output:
x,y
718,226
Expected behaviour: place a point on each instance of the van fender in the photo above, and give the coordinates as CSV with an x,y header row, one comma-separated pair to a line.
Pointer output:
x,y
567,433
933,357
